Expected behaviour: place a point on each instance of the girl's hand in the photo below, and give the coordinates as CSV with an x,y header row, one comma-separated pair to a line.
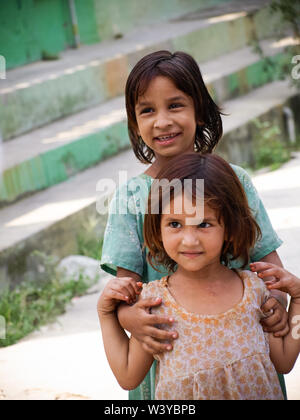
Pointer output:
x,y
145,330
277,321
284,281
118,289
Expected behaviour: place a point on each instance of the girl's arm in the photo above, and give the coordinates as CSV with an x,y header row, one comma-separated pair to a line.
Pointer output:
x,y
265,250
145,331
127,359
284,350
276,323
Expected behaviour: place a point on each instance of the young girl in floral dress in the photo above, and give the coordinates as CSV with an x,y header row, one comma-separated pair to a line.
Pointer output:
x,y
222,351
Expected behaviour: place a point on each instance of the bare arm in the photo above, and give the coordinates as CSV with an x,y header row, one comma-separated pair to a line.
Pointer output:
x,y
128,361
126,357
284,350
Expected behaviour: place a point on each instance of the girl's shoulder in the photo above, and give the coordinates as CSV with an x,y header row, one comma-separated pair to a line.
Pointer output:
x,y
152,288
248,186
241,173
254,286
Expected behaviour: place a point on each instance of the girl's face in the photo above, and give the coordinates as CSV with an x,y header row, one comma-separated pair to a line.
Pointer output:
x,y
193,247
166,118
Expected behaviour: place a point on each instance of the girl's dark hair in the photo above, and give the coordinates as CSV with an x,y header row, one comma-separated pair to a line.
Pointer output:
x,y
184,72
223,192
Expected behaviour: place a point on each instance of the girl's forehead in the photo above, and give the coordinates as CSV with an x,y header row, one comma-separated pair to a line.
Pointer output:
x,y
159,85
182,206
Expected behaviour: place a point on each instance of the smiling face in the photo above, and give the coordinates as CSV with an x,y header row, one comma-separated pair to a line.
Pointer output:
x,y
166,118
192,247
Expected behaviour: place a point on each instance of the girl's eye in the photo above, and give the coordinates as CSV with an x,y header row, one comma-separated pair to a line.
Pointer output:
x,y
204,225
146,110
174,225
175,106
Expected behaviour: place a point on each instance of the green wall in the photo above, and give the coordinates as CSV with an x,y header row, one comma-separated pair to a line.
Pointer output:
x,y
116,17
32,29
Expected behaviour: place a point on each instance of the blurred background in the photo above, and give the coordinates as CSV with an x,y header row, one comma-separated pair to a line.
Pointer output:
x,y
63,69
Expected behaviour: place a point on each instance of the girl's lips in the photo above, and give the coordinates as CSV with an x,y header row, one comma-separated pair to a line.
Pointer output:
x,y
191,254
168,141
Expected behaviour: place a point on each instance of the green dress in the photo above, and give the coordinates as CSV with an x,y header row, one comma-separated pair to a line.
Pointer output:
x,y
123,242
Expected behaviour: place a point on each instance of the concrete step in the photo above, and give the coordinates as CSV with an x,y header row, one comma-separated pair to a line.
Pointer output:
x,y
42,92
53,153
51,219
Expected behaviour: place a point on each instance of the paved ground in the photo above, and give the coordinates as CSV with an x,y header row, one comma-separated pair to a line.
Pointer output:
x,y
67,361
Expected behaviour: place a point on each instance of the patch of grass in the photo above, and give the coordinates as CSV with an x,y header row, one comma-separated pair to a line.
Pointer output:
x,y
88,243
270,151
37,301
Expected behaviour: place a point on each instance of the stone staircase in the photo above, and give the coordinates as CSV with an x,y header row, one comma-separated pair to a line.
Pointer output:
x,y
63,123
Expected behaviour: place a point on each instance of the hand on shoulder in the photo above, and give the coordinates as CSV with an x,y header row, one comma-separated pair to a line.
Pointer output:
x,y
284,280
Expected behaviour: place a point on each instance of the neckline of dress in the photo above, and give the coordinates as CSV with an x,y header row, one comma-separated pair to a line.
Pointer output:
x,y
182,310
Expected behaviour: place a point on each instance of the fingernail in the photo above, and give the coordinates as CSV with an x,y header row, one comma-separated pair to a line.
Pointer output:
x,y
171,319
169,347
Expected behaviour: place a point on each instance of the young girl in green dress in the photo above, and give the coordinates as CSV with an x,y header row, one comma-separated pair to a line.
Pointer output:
x,y
170,113
221,352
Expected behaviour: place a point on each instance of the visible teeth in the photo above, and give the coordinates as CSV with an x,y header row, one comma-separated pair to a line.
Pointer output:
x,y
165,138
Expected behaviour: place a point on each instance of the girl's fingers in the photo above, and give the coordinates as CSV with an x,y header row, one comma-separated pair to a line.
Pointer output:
x,y
127,288
138,287
258,266
132,286
269,273
274,285
157,320
162,334
267,269
148,303
155,347
114,294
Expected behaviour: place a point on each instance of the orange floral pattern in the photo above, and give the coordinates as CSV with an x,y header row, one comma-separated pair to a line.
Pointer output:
x,y
216,357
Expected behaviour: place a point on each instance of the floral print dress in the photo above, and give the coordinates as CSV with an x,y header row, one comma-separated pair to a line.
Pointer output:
x,y
216,357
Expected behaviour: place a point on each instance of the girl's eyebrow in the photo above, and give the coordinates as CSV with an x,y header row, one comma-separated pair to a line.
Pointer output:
x,y
175,219
174,98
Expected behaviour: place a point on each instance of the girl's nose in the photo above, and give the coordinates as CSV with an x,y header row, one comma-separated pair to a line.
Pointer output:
x,y
162,121
190,239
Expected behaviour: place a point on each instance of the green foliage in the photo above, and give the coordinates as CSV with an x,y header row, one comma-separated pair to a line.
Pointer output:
x,y
290,11
37,301
88,242
270,151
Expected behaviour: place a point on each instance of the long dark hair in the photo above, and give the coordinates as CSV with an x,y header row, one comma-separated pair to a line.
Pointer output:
x,y
184,72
